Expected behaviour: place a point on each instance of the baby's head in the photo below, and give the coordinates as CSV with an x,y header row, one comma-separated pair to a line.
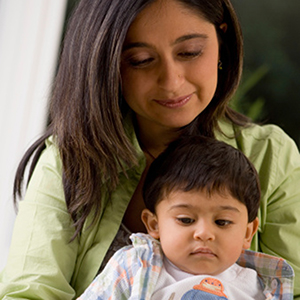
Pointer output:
x,y
202,198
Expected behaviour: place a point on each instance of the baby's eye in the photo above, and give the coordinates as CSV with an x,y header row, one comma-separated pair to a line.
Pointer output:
x,y
186,221
223,223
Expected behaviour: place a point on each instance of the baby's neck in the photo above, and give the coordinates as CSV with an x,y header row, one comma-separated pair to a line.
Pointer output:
x,y
179,274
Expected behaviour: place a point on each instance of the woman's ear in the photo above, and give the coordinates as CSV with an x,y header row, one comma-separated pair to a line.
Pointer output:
x,y
150,221
251,230
224,27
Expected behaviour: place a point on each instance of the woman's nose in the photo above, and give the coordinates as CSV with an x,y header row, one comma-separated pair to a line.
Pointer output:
x,y
171,76
204,231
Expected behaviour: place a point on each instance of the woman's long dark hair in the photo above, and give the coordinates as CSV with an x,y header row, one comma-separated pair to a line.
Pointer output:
x,y
218,12
86,103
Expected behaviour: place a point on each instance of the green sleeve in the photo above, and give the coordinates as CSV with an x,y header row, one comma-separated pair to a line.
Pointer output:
x,y
42,258
280,232
277,160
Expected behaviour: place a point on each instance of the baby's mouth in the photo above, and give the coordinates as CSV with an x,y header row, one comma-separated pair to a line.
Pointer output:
x,y
204,251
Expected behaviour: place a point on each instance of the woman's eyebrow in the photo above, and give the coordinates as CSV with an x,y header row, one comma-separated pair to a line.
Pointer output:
x,y
136,45
177,41
189,37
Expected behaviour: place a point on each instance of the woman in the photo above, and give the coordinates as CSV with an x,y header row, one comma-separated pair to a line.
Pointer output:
x,y
133,76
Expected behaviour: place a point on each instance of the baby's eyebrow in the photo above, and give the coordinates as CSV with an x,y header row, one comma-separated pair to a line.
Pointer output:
x,y
228,207
176,206
222,207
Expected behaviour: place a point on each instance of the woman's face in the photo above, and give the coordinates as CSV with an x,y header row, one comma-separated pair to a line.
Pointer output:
x,y
169,65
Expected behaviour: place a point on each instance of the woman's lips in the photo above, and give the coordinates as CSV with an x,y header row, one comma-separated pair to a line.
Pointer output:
x,y
176,102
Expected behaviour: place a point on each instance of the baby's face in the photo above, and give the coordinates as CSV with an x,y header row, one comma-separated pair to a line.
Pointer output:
x,y
203,234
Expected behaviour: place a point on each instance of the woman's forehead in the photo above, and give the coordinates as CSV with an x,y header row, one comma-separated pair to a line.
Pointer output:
x,y
168,16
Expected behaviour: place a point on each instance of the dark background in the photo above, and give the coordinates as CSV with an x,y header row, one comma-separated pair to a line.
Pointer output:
x,y
271,32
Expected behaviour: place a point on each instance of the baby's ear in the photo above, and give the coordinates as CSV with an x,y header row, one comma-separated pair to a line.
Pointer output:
x,y
251,230
150,221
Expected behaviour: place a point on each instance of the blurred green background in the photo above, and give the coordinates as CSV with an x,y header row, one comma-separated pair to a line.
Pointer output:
x,y
270,88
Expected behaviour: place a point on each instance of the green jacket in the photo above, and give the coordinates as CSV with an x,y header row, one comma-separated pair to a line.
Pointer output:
x,y
44,264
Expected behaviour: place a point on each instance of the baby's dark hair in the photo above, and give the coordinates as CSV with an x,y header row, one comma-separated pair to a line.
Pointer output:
x,y
200,163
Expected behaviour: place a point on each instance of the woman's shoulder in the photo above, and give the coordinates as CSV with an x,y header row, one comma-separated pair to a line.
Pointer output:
x,y
269,148
50,158
257,137
253,132
46,180
51,148
268,133
268,141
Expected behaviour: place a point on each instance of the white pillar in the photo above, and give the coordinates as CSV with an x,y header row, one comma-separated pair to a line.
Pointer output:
x,y
30,34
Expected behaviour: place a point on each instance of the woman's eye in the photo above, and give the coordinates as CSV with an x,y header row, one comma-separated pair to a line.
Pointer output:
x,y
189,54
222,223
185,221
139,63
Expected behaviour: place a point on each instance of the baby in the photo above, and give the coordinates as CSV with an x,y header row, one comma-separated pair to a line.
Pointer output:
x,y
202,198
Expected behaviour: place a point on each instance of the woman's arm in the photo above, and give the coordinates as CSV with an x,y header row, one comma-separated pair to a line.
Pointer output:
x,y
277,160
42,258
280,233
